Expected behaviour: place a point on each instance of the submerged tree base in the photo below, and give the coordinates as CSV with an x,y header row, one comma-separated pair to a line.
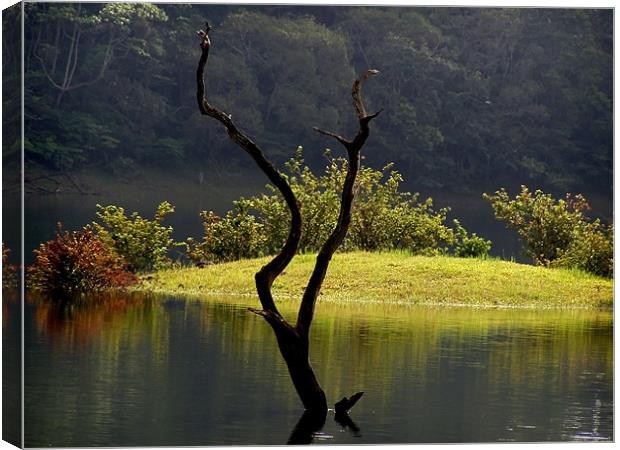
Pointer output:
x,y
396,277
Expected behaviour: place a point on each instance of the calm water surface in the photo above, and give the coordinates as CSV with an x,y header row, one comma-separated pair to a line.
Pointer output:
x,y
171,371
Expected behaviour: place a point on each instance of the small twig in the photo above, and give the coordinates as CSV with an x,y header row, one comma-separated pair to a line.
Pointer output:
x,y
339,138
258,312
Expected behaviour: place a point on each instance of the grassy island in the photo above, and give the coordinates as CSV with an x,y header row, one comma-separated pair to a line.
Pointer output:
x,y
394,277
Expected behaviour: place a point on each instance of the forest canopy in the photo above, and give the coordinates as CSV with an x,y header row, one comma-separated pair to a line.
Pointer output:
x,y
470,94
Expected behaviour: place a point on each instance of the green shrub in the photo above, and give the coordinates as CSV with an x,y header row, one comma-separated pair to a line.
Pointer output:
x,y
591,249
469,246
544,224
557,232
319,201
9,271
143,243
417,228
237,235
383,217
77,262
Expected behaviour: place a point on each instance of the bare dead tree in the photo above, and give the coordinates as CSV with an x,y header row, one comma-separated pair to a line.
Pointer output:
x,y
293,340
67,79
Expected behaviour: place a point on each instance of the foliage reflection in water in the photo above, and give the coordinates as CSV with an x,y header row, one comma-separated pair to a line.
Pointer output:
x,y
135,370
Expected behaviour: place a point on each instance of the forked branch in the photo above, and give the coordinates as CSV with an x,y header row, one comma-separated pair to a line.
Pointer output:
x,y
293,341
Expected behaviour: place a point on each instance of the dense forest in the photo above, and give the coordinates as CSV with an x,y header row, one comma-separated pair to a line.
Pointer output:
x,y
473,98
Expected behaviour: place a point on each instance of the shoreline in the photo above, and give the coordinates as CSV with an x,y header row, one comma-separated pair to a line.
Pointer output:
x,y
395,278
206,296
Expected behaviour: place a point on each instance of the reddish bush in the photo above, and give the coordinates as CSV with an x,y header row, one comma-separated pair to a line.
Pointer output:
x,y
77,262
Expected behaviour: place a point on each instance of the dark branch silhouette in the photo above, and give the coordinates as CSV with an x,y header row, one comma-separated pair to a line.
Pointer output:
x,y
293,341
344,405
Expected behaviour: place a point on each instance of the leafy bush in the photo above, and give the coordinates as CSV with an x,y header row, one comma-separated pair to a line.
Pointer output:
x,y
319,201
143,243
77,262
544,224
383,217
591,250
470,246
557,232
9,272
235,236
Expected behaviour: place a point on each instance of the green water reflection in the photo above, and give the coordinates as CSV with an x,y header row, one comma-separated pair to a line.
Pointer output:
x,y
160,371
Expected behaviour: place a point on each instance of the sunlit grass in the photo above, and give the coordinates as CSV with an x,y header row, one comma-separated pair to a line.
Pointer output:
x,y
395,277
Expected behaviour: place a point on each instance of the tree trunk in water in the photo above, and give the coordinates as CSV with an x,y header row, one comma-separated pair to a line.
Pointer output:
x,y
294,349
309,423
293,341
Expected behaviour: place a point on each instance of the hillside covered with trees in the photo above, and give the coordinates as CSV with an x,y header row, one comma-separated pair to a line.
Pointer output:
x,y
473,98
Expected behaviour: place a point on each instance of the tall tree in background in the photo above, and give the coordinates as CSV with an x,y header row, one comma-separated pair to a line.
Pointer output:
x,y
479,97
293,340
71,47
63,63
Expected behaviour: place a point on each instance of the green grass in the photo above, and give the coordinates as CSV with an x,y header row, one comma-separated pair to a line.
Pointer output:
x,y
395,277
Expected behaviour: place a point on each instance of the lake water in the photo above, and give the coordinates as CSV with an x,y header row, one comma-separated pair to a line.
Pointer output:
x,y
135,370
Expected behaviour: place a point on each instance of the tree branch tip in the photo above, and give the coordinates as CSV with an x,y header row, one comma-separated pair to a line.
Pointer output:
x,y
204,36
326,133
375,114
369,73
